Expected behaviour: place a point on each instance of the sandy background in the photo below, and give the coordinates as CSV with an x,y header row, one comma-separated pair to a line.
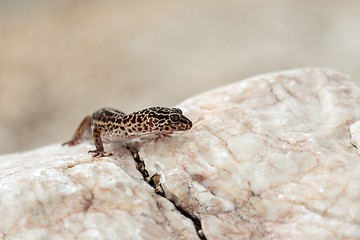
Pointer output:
x,y
62,60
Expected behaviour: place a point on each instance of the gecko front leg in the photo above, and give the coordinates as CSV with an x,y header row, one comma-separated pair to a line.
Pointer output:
x,y
84,126
99,151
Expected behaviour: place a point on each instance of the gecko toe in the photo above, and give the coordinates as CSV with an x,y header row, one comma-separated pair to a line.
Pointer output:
x,y
69,143
98,154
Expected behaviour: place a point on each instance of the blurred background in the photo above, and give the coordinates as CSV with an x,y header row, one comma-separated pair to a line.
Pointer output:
x,y
61,60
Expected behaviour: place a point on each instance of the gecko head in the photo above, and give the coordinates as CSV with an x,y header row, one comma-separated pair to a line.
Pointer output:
x,y
170,120
178,121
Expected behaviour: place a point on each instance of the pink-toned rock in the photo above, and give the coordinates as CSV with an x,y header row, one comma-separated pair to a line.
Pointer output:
x,y
271,157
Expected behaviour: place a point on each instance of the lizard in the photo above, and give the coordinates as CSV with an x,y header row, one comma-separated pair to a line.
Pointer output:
x,y
109,124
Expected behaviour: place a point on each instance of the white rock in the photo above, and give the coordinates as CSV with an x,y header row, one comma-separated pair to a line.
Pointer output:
x,y
271,157
61,193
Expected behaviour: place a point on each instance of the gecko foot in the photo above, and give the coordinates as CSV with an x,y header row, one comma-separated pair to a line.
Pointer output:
x,y
70,143
98,153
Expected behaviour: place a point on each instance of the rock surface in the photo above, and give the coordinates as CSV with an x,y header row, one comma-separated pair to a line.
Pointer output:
x,y
271,157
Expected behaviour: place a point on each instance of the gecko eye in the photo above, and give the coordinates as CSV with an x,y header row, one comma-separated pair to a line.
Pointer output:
x,y
174,117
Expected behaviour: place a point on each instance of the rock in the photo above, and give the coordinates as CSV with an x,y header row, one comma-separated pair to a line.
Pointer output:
x,y
271,157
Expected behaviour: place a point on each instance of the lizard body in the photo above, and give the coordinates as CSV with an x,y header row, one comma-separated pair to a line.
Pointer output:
x,y
108,124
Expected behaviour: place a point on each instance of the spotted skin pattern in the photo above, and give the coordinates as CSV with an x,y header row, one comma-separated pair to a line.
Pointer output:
x,y
108,124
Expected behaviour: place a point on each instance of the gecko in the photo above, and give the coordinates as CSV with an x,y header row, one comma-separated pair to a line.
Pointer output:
x,y
109,124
